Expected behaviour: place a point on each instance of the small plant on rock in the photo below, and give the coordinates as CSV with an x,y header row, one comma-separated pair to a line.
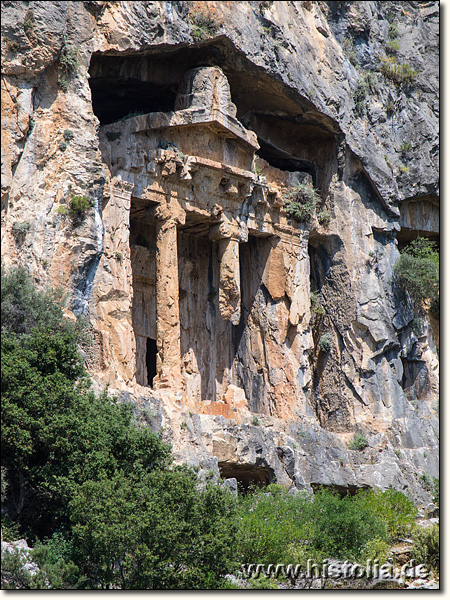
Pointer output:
x,y
62,210
301,202
401,74
390,108
325,343
405,148
256,421
68,59
12,45
393,31
347,45
79,205
324,217
392,47
68,135
64,83
28,24
317,303
359,442
19,229
203,26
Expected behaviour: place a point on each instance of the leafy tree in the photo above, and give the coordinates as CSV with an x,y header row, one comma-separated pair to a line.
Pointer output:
x,y
391,506
155,531
417,270
56,434
24,307
341,528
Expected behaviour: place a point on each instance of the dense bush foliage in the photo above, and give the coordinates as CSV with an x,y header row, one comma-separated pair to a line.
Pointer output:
x,y
426,548
417,270
301,202
274,526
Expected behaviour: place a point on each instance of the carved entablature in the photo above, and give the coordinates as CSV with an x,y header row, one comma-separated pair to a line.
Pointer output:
x,y
197,157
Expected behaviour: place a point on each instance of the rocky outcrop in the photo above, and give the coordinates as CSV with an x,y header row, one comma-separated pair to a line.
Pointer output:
x,y
258,342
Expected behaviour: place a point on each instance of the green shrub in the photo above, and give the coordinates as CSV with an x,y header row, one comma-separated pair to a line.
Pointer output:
x,y
417,270
359,442
300,202
62,146
256,421
19,229
14,575
405,148
81,475
390,107
341,528
400,74
325,342
375,549
202,26
362,91
426,482
68,59
270,526
79,205
324,217
426,548
395,510
404,169
392,31
68,135
392,47
317,303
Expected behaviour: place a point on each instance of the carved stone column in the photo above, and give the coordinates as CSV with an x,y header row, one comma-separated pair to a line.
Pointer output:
x,y
229,283
227,234
167,306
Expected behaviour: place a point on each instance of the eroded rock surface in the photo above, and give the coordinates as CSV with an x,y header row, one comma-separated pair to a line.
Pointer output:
x,y
208,300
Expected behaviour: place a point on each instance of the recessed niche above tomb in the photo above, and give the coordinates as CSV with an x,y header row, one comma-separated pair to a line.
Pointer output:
x,y
292,134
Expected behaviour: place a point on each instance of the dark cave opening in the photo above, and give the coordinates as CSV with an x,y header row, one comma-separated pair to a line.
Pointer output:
x,y
284,161
113,98
150,360
406,236
247,475
342,490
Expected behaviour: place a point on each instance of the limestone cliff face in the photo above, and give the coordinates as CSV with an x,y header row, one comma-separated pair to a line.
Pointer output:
x,y
260,343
